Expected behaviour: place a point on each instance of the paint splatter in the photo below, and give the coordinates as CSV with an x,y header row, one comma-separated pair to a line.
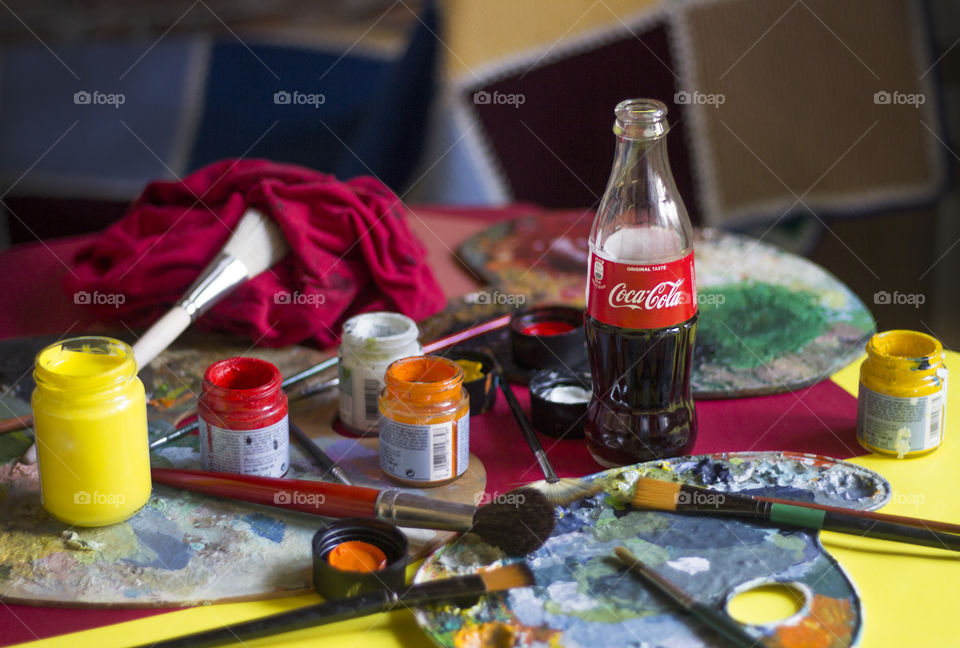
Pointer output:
x,y
584,597
770,321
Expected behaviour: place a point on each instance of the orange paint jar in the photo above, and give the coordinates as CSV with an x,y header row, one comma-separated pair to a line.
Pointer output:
x,y
425,423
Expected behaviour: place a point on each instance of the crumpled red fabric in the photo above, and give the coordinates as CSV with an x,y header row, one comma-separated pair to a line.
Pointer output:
x,y
351,251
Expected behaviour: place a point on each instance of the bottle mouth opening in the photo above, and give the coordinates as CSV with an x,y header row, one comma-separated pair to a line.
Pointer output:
x,y
380,329
904,345
243,375
424,374
641,118
82,363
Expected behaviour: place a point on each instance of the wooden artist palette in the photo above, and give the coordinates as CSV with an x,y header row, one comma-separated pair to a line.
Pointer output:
x,y
184,548
586,598
770,321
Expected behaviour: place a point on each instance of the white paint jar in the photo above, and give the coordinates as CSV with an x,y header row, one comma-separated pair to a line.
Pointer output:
x,y
369,344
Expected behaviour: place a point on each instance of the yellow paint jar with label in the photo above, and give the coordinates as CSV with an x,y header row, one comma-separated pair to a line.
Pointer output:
x,y
90,418
901,405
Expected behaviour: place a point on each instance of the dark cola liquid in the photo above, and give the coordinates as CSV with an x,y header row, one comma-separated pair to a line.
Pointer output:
x,y
642,408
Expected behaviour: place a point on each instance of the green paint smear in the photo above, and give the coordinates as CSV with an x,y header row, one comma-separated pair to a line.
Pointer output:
x,y
790,543
746,325
608,528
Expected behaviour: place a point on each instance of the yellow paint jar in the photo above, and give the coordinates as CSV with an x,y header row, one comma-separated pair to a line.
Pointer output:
x,y
901,405
90,418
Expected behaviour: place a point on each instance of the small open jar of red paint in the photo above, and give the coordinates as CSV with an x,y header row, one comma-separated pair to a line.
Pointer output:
x,y
549,337
244,425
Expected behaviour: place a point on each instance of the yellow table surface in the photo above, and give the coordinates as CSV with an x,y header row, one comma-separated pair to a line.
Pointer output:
x,y
909,593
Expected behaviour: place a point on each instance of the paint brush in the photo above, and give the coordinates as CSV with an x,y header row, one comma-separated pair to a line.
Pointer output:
x,y
720,621
255,245
15,423
683,498
920,523
321,458
453,590
440,343
558,491
517,526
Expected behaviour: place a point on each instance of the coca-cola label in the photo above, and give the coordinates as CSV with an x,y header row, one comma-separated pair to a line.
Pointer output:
x,y
636,296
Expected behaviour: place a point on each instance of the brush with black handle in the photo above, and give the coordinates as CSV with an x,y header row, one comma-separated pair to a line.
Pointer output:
x,y
684,498
725,625
447,590
558,491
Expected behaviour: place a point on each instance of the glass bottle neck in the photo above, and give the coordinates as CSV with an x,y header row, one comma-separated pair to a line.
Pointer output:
x,y
636,160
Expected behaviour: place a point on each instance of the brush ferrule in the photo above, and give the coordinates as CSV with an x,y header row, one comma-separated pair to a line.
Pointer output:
x,y
223,274
404,509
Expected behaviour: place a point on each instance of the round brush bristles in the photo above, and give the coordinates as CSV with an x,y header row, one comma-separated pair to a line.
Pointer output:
x,y
517,523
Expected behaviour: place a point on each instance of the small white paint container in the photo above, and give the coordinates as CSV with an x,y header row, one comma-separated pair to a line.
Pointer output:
x,y
369,344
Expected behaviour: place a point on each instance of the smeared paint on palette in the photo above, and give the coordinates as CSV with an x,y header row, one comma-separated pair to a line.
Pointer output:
x,y
770,321
183,548
587,600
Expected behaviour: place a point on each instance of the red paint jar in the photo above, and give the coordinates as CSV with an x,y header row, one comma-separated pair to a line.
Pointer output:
x,y
548,327
244,425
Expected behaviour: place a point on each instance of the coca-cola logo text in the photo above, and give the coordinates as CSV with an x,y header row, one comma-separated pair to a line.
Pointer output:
x,y
664,295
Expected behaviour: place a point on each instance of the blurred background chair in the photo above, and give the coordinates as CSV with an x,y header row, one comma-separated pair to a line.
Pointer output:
x,y
815,125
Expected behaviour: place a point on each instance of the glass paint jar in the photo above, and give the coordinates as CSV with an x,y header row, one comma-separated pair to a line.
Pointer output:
x,y
370,342
902,399
244,423
425,422
90,419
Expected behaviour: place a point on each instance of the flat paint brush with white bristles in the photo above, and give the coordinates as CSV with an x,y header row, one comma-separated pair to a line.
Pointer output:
x,y
255,245
444,590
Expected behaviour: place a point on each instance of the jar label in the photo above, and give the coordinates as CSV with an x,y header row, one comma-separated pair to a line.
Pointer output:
x,y
637,296
901,426
360,398
424,452
262,451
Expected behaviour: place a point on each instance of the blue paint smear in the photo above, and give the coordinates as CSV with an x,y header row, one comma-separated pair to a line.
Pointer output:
x,y
266,526
172,553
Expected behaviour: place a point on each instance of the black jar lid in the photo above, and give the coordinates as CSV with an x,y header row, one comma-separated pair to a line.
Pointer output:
x,y
559,401
549,337
331,582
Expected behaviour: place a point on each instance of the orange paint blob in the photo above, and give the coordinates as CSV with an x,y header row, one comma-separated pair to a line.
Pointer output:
x,y
357,556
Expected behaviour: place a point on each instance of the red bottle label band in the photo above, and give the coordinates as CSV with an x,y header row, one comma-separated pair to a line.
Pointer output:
x,y
635,296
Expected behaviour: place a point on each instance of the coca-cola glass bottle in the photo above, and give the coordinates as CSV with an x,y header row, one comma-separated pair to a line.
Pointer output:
x,y
641,300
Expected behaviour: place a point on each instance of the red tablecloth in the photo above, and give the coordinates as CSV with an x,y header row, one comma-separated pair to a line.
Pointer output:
x,y
820,419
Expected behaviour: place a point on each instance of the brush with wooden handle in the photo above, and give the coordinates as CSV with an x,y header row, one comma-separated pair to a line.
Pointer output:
x,y
453,590
255,245
518,525
683,498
